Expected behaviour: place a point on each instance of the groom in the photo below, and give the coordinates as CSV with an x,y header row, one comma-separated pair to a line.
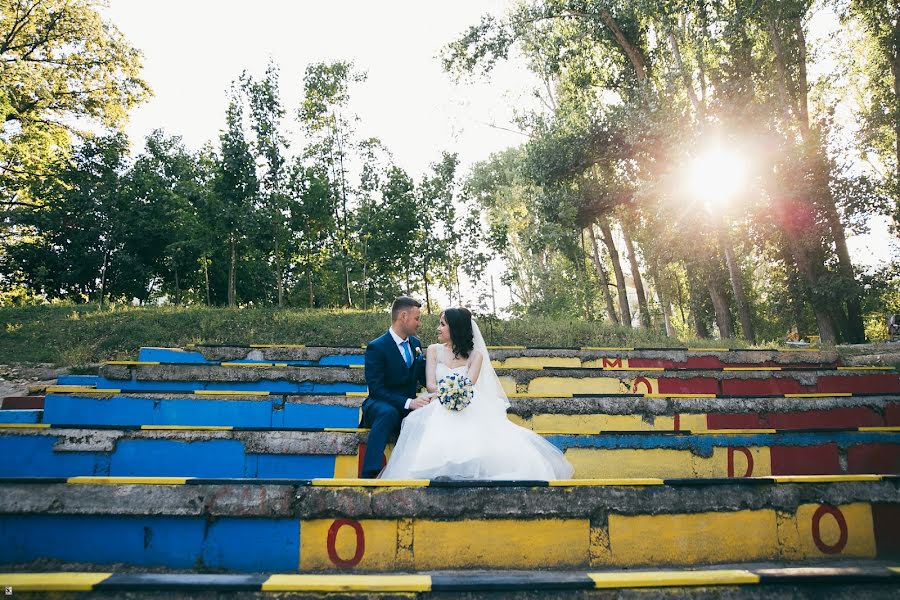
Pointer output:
x,y
395,367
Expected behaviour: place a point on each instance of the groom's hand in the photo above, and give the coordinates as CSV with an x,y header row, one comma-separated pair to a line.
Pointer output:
x,y
420,402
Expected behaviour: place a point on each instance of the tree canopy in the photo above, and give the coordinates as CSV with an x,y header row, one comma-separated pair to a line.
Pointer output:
x,y
63,68
688,167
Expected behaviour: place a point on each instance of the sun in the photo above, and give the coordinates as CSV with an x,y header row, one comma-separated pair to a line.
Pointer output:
x,y
716,176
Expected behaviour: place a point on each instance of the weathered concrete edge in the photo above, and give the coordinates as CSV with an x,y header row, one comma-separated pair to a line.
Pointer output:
x,y
226,353
244,499
217,373
613,405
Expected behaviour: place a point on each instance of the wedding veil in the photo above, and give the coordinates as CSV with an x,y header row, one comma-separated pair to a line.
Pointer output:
x,y
488,387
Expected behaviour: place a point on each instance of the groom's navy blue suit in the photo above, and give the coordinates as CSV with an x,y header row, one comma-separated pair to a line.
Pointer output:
x,y
391,383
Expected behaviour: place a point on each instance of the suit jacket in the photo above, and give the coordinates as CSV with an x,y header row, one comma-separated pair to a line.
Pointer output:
x,y
388,377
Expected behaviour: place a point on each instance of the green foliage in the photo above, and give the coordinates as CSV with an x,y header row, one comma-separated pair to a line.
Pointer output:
x,y
632,92
874,70
592,205
881,299
61,66
67,334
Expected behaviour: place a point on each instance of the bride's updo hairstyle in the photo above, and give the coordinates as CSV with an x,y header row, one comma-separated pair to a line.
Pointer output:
x,y
459,320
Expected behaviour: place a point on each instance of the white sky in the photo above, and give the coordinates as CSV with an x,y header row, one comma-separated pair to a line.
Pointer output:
x,y
194,49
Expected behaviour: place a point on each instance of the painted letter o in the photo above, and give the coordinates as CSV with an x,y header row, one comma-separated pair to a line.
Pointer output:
x,y
835,512
332,543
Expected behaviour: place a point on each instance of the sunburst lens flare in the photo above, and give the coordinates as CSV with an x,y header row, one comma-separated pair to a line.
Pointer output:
x,y
716,176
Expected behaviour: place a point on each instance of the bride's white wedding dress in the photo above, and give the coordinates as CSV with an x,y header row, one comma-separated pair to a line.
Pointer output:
x,y
478,442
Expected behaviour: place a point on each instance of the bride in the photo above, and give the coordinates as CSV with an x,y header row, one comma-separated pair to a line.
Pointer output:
x,y
478,442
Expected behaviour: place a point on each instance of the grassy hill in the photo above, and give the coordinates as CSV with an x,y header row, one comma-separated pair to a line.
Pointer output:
x,y
77,335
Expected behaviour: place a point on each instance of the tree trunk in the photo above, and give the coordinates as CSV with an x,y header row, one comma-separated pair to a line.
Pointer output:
x,y
666,312
604,280
425,281
279,273
638,282
177,289
679,63
720,305
349,299
854,329
803,86
365,272
624,309
824,319
103,276
309,282
680,300
408,285
697,313
787,102
698,52
663,297
795,289
206,280
631,51
894,61
232,273
798,106
737,286
586,289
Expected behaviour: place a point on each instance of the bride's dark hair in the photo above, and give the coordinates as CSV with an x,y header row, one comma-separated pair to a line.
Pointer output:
x,y
459,320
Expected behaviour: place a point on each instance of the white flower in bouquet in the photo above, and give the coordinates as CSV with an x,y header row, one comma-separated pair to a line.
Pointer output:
x,y
455,391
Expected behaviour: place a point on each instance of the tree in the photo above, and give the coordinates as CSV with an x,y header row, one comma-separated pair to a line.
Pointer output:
x,y
876,66
164,188
62,66
658,76
270,146
437,238
75,243
236,187
311,220
323,113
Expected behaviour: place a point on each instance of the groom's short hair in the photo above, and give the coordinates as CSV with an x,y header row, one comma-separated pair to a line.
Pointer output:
x,y
403,303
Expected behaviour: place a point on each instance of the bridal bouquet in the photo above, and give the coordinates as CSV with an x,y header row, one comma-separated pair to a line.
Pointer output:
x,y
455,391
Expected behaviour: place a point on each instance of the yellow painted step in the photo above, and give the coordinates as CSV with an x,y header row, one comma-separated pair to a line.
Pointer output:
x,y
348,583
51,582
811,532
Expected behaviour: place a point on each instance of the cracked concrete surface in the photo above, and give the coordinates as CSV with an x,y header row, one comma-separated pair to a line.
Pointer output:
x,y
310,502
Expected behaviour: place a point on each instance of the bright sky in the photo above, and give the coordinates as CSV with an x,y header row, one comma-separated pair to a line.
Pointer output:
x,y
194,49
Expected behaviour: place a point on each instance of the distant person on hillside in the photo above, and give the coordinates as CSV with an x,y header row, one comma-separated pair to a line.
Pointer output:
x,y
395,369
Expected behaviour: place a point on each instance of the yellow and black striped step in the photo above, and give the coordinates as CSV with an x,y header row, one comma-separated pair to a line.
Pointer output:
x,y
875,580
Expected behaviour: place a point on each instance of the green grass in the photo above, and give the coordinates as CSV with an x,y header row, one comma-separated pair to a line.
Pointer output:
x,y
83,334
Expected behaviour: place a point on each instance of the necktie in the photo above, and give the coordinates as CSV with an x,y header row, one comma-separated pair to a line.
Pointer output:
x,y
406,353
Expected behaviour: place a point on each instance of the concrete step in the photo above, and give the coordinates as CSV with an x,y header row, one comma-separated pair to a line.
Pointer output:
x,y
22,402
544,382
196,451
845,579
370,526
573,414
20,416
507,356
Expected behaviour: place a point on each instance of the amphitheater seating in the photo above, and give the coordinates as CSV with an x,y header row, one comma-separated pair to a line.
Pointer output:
x,y
244,459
